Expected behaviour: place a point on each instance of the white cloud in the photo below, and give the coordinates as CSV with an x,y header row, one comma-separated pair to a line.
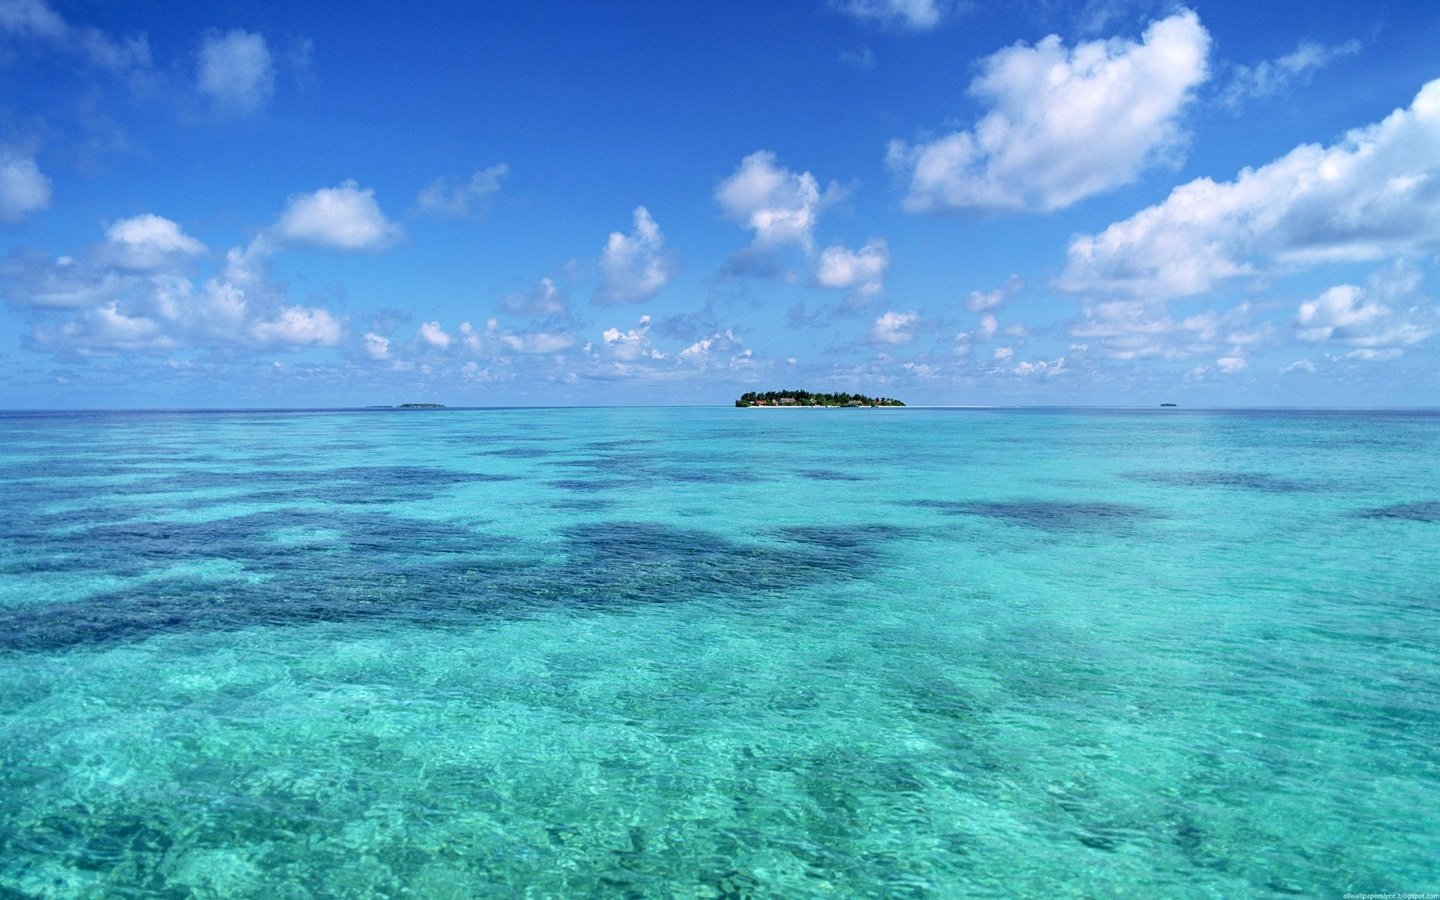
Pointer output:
x,y
1230,364
862,272
912,15
130,294
1372,195
445,197
1003,354
631,345
35,20
702,350
236,71
432,334
1066,123
779,205
31,19
545,299
376,346
148,242
634,267
538,341
494,341
343,217
1270,77
105,330
299,326
984,301
894,328
1363,318
988,326
35,282
1132,329
1041,367
23,187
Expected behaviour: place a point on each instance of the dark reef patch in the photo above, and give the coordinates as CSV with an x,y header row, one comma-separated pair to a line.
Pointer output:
x,y
710,476
518,452
828,475
845,538
1251,481
1047,515
620,444
649,562
590,485
350,485
1423,511
608,464
582,504
366,567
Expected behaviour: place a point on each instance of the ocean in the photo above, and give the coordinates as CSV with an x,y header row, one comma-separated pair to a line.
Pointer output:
x,y
714,652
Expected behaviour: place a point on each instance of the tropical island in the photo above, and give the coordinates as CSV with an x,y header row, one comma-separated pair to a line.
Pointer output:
x,y
406,406
806,398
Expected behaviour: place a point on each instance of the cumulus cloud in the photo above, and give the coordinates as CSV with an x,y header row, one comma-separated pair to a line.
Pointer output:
x,y
494,341
631,345
1041,367
779,205
23,187
1372,195
299,326
1066,123
988,326
705,349
1365,320
130,293
545,299
910,15
236,71
894,328
376,346
431,333
1133,329
446,197
985,301
148,242
1270,77
861,272
104,330
35,20
344,217
32,280
634,267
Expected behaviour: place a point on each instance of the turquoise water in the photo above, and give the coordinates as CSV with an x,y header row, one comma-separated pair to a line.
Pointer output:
x,y
719,652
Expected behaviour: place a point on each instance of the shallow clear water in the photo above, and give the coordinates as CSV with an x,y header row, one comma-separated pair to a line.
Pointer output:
x,y
718,652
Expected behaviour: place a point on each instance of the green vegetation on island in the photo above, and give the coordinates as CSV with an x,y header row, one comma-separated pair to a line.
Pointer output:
x,y
421,406
806,398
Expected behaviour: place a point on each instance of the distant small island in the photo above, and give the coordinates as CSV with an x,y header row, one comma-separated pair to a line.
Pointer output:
x,y
406,406
806,398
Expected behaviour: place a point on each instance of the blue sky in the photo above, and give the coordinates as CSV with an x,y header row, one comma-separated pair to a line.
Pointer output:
x,y
1103,202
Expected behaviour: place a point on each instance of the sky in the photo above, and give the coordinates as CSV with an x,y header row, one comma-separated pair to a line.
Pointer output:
x,y
952,202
